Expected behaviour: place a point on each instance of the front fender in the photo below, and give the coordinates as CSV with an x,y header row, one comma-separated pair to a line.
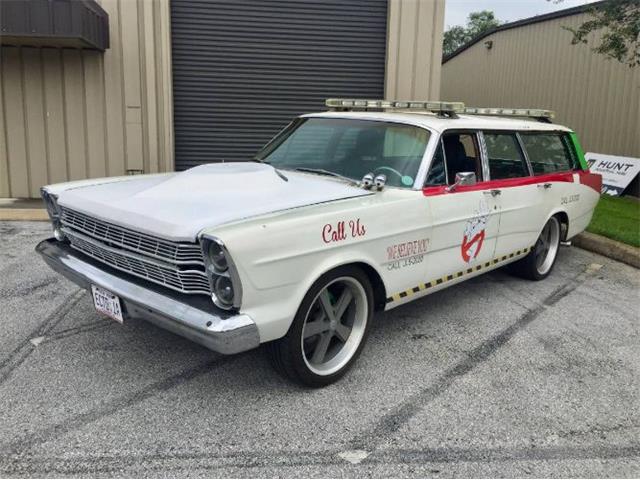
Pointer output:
x,y
280,256
275,308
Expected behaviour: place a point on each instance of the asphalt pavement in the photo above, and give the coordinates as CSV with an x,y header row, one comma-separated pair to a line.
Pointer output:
x,y
497,376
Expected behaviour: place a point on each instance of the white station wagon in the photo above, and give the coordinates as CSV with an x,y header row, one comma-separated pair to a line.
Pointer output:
x,y
362,208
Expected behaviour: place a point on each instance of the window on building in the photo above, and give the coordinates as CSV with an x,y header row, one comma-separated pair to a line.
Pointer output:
x,y
549,152
506,159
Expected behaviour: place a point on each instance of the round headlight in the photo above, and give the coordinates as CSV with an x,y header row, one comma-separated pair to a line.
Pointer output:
x,y
223,291
217,256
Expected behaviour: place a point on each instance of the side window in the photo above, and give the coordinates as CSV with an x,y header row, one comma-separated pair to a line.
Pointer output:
x,y
437,173
461,154
548,153
505,157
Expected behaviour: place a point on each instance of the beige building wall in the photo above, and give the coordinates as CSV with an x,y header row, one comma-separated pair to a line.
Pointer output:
x,y
414,49
70,114
536,66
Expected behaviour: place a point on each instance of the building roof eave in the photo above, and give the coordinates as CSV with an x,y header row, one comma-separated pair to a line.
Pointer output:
x,y
525,21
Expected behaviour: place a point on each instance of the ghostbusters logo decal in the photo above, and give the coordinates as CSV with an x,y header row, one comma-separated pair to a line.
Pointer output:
x,y
474,233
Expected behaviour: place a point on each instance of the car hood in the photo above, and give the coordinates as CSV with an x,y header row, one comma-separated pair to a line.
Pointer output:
x,y
177,206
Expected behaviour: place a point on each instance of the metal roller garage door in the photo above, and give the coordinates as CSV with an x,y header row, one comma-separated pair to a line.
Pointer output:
x,y
243,69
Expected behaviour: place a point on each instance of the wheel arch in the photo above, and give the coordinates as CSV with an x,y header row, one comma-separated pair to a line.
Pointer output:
x,y
377,283
563,218
379,288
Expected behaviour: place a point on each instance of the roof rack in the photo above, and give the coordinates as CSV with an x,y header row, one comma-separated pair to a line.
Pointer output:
x,y
537,113
445,109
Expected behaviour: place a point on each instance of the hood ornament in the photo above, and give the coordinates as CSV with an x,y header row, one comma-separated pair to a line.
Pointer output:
x,y
380,181
367,181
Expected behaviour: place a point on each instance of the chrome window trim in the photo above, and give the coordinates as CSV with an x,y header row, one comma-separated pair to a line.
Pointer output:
x,y
484,156
524,152
515,133
439,144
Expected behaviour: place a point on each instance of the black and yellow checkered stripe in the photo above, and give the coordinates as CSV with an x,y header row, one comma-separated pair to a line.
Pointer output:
x,y
447,278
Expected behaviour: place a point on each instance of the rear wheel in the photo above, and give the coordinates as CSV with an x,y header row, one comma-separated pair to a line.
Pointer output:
x,y
329,330
538,264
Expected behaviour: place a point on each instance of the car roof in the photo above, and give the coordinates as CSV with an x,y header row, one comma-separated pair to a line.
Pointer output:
x,y
440,124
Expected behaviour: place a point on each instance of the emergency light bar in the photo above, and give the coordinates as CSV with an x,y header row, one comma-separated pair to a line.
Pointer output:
x,y
450,108
538,113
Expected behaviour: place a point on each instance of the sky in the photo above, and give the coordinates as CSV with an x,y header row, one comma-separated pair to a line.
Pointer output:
x,y
456,11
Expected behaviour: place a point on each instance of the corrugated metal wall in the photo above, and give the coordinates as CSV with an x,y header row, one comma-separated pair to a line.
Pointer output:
x,y
243,69
70,114
536,66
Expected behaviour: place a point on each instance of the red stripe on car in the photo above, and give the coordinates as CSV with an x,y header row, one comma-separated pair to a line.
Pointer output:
x,y
506,183
593,180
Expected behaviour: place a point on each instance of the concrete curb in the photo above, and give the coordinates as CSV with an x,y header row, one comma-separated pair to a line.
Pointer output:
x,y
24,214
608,248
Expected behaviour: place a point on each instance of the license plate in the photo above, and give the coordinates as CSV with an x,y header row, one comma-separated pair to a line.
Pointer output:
x,y
107,303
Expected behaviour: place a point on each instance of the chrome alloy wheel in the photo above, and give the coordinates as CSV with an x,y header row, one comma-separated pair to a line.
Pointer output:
x,y
546,248
334,326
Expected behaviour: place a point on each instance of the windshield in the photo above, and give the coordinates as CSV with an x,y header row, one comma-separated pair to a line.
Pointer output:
x,y
351,148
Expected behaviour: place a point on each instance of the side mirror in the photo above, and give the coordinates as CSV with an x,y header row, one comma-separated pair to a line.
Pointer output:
x,y
463,178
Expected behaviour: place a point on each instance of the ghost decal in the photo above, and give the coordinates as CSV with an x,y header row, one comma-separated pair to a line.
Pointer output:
x,y
474,233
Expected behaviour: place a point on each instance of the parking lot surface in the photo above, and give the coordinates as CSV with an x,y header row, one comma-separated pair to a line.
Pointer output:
x,y
497,376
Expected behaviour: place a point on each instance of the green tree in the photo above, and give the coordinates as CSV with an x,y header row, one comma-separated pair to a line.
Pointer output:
x,y
619,24
477,24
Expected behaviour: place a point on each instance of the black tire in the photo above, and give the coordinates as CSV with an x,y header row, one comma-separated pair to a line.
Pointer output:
x,y
529,267
288,355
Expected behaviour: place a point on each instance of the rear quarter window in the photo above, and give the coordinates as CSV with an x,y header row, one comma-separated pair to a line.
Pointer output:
x,y
549,152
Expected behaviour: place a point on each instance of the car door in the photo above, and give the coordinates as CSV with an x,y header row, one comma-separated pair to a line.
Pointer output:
x,y
522,210
554,164
466,218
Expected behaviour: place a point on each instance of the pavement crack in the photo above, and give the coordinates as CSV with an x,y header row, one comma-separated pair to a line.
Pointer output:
x,y
25,348
400,415
69,332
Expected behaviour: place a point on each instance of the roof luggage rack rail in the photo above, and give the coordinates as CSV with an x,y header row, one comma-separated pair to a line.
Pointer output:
x,y
444,109
537,113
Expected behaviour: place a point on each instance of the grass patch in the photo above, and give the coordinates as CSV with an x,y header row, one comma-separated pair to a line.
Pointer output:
x,y
617,218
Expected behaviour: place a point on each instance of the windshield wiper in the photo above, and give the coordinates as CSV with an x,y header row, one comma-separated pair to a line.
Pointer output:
x,y
278,172
322,171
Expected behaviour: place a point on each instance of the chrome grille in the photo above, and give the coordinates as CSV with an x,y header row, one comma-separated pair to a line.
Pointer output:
x,y
171,276
173,252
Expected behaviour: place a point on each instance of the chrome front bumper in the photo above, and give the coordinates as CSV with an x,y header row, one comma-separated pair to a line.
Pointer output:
x,y
224,335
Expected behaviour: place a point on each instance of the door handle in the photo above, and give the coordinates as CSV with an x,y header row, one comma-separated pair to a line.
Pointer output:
x,y
493,193
544,185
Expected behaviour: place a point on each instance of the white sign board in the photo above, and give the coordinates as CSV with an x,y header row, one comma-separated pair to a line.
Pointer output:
x,y
617,172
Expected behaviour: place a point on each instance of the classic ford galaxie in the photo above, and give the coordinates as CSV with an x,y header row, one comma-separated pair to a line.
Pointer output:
x,y
365,207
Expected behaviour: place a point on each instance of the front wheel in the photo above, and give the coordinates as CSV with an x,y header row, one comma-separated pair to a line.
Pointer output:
x,y
329,329
538,264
